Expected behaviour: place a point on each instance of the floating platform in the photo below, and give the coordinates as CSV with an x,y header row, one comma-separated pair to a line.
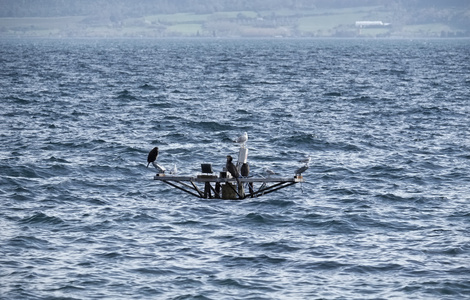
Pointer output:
x,y
221,187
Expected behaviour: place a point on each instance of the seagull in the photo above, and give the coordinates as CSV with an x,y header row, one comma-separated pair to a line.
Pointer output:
x,y
301,170
174,170
152,156
306,160
242,139
269,172
161,169
231,168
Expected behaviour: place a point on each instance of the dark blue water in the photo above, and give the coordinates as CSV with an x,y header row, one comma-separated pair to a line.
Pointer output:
x,y
384,214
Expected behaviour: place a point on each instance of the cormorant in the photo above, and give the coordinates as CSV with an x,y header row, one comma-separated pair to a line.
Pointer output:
x,y
245,170
231,168
152,156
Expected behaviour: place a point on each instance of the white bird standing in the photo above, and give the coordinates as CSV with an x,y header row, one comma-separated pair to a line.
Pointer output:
x,y
161,169
242,139
174,170
269,172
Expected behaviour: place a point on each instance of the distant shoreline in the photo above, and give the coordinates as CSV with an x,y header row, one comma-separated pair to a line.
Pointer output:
x,y
226,38
352,22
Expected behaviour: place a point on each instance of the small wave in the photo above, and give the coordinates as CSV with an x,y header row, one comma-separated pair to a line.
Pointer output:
x,y
277,247
147,86
153,271
332,146
54,159
163,103
23,171
298,139
363,99
18,100
41,218
449,250
264,218
392,72
249,260
371,269
385,171
332,225
326,265
110,255
125,95
210,126
274,202
333,94
28,242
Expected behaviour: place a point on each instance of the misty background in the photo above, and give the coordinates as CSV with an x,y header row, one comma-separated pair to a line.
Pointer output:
x,y
235,18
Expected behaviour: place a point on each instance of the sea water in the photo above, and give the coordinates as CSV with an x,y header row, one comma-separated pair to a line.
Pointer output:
x,y
384,212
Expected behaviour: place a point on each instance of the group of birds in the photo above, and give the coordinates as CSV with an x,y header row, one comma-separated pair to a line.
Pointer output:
x,y
229,165
233,170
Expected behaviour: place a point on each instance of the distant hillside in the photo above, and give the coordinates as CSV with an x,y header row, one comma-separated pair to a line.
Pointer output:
x,y
234,18
140,8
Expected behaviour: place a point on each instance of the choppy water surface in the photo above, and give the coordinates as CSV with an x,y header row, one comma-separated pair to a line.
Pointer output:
x,y
384,214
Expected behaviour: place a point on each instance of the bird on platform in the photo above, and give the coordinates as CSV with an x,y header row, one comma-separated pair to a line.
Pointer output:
x,y
231,168
301,170
242,139
153,154
245,170
306,160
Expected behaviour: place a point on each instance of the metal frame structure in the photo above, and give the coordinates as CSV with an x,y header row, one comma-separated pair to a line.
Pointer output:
x,y
227,188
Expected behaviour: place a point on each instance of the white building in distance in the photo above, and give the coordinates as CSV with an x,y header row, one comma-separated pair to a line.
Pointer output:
x,y
362,24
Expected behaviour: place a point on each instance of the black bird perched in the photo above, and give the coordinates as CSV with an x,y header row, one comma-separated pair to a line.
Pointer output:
x,y
231,167
245,170
152,156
